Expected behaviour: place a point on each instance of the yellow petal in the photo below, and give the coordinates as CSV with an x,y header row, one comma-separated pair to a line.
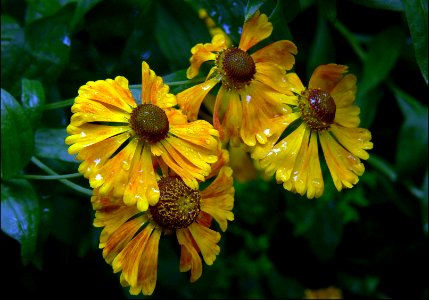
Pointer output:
x,y
199,133
154,91
110,92
190,99
271,75
207,240
232,118
205,52
344,92
355,140
280,53
89,134
142,188
218,198
343,165
189,257
294,84
256,29
281,158
326,77
348,116
149,264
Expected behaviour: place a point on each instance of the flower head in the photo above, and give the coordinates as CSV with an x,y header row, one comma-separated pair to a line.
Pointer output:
x,y
123,145
323,112
252,85
130,238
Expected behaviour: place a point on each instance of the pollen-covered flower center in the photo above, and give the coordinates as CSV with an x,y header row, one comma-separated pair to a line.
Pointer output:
x,y
149,122
178,204
317,108
236,66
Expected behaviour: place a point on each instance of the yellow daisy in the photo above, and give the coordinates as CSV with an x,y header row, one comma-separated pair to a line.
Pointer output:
x,y
324,111
122,144
130,238
251,84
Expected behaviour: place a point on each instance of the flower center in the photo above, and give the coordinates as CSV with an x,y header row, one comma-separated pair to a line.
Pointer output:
x,y
149,122
236,66
178,204
317,108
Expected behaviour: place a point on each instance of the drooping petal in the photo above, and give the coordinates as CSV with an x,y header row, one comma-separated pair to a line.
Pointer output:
x,y
242,164
307,174
256,29
205,52
343,165
280,160
280,53
232,118
109,92
154,91
142,189
355,140
207,240
88,134
218,198
199,133
190,99
326,77
189,257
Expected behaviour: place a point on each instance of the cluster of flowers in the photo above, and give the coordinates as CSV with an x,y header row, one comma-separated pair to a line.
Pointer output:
x,y
146,161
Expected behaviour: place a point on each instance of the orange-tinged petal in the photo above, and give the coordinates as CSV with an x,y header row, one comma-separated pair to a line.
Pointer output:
x,y
232,119
355,140
111,92
190,99
89,134
256,29
343,165
281,158
242,164
272,75
149,264
280,53
326,77
348,116
86,111
142,188
154,91
344,92
198,133
218,198
96,155
206,240
115,172
120,238
189,257
205,52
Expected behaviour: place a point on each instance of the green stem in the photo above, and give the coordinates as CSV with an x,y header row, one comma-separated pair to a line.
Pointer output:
x,y
51,177
66,182
349,36
59,104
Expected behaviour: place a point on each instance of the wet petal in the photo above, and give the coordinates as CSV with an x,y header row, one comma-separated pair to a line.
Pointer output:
x,y
190,99
255,30
326,77
355,140
154,91
280,53
343,165
232,118
271,75
207,240
198,133
189,257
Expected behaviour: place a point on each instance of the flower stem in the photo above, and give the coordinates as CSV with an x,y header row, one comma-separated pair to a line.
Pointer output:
x,y
66,182
51,177
59,104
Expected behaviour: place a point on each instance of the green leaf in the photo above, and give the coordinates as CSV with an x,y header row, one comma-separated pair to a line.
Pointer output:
x,y
39,9
251,7
83,6
383,52
424,200
395,5
50,144
20,215
328,8
417,17
32,99
280,17
17,142
412,135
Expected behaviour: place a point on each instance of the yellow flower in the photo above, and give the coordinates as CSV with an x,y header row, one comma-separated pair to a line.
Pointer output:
x,y
122,144
327,293
252,85
324,111
130,238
